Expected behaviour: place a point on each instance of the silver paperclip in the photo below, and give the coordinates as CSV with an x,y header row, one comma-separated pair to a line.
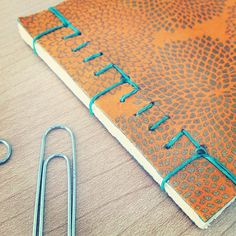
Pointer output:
x,y
41,185
9,151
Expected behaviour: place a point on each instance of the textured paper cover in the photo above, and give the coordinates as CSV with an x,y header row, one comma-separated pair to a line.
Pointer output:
x,y
182,55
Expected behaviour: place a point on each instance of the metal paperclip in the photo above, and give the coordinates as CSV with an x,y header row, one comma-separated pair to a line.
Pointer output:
x,y
41,185
9,151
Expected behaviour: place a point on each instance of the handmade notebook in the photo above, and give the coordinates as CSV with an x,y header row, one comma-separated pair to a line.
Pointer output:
x,y
160,76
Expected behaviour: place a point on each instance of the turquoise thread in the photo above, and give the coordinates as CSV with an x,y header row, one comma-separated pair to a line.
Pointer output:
x,y
135,90
220,166
158,123
92,57
124,97
121,72
193,141
72,35
145,108
174,140
108,67
58,14
178,136
65,22
200,153
40,35
104,69
9,151
102,93
176,170
125,79
80,47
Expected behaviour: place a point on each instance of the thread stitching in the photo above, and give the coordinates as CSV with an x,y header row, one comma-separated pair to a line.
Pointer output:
x,y
145,108
200,149
124,79
158,123
65,23
200,152
178,136
123,74
80,46
92,57
40,35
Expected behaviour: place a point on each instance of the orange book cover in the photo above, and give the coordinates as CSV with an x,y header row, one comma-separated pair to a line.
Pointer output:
x,y
160,76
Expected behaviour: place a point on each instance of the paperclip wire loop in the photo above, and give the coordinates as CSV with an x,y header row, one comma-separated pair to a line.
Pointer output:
x,y
200,152
65,23
9,151
41,184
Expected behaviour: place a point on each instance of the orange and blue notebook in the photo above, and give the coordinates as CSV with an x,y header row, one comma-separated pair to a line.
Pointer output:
x,y
161,77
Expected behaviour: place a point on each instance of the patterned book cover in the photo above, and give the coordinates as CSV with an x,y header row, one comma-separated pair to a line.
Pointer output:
x,y
162,74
